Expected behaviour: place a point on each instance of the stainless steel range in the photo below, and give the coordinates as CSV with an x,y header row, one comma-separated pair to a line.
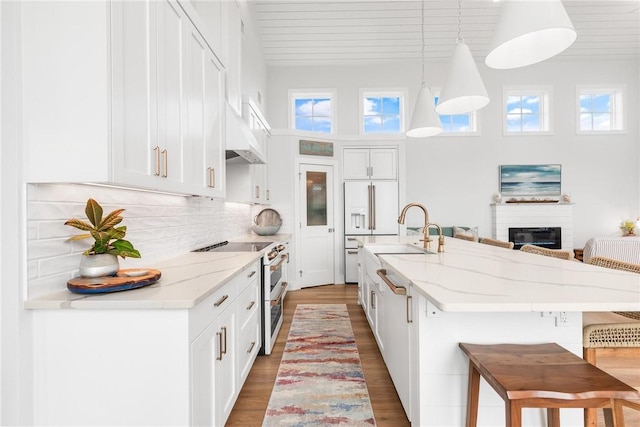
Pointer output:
x,y
273,282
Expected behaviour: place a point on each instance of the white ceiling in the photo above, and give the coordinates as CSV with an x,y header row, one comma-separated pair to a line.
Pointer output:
x,y
320,32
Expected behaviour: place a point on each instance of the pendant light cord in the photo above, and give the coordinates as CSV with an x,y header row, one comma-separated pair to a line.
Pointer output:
x,y
422,51
459,40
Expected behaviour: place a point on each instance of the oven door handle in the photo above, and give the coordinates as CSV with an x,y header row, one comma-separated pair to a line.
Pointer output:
x,y
278,300
283,258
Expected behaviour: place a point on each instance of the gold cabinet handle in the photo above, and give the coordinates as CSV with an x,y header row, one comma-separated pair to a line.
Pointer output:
x,y
157,153
257,191
250,306
219,335
253,344
212,177
372,300
165,160
224,331
352,252
253,273
220,301
398,290
268,197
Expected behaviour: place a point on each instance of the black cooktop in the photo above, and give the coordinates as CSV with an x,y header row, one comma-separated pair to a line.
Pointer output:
x,y
235,247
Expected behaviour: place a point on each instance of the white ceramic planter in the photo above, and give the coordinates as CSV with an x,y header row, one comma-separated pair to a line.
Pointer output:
x,y
99,265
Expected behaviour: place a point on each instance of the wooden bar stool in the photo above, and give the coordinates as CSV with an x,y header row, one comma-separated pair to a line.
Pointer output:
x,y
541,376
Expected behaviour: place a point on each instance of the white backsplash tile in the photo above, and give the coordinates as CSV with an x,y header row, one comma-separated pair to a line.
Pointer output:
x,y
160,226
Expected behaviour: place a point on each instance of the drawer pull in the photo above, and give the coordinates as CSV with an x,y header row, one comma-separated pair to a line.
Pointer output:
x,y
219,335
398,290
372,300
352,252
253,273
220,301
250,306
253,344
409,312
224,330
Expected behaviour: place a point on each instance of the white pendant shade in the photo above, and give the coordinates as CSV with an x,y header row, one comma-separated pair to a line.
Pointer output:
x,y
529,32
464,91
424,121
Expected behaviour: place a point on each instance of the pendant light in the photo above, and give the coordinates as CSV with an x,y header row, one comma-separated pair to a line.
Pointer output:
x,y
464,91
530,32
424,121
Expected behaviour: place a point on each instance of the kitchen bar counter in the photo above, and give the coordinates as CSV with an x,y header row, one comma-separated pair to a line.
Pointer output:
x,y
480,294
472,277
186,280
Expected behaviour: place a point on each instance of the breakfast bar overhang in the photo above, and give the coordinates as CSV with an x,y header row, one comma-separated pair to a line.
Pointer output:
x,y
484,294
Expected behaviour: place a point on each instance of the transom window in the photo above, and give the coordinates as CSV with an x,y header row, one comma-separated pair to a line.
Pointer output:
x,y
527,111
312,111
600,110
382,111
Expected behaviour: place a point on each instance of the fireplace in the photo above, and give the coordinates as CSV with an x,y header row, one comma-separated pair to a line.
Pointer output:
x,y
547,237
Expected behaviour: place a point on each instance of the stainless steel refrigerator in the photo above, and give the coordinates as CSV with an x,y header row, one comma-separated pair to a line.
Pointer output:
x,y
370,208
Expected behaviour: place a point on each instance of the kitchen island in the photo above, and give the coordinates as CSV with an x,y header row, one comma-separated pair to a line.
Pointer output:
x,y
478,294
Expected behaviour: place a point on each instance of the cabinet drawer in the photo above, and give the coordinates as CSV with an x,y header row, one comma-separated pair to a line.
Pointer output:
x,y
248,345
250,275
208,310
248,303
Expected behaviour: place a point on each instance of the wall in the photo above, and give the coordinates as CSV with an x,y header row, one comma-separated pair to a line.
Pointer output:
x,y
456,177
160,226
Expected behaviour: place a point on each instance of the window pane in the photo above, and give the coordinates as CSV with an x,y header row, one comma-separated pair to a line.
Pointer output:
x,y
585,103
602,103
391,105
513,102
372,106
316,198
531,122
602,121
322,107
372,124
391,124
585,121
461,123
303,107
304,123
531,103
322,124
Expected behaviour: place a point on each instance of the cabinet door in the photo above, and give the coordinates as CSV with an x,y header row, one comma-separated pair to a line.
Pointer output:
x,y
203,351
213,128
355,163
203,137
383,163
233,55
134,112
225,371
173,154
397,354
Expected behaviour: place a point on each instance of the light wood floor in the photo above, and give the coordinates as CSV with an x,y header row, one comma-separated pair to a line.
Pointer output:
x,y
252,403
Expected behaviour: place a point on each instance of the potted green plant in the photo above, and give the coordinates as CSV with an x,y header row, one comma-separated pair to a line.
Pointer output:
x,y
101,259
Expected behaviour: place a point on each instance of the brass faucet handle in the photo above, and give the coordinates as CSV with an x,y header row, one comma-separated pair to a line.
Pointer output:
x,y
441,244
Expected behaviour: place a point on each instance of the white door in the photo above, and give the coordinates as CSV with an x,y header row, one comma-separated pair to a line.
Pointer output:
x,y
316,225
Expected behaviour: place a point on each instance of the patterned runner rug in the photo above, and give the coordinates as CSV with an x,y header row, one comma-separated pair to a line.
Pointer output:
x,y
320,380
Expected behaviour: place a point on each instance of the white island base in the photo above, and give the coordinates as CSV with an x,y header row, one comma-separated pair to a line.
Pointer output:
x,y
443,368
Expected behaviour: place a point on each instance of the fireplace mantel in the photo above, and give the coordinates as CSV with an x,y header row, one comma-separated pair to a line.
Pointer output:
x,y
505,215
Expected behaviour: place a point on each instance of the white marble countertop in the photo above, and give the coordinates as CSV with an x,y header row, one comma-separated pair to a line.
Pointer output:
x,y
186,280
472,277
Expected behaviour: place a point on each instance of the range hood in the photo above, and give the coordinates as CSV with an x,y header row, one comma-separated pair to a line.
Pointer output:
x,y
241,142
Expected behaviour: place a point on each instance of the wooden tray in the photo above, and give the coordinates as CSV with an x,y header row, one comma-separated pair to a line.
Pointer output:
x,y
131,278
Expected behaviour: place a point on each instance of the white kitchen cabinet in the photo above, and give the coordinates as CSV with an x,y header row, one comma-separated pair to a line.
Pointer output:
x,y
204,131
110,92
249,183
398,330
370,163
376,303
145,366
233,54
249,333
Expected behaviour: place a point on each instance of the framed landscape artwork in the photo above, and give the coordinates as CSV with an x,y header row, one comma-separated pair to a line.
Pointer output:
x,y
530,182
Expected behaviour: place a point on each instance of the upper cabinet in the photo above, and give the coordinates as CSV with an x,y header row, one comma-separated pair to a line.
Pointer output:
x,y
233,54
250,182
370,163
138,97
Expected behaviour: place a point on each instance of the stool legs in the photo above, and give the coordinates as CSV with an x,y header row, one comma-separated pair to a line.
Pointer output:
x,y
474,393
553,417
590,414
